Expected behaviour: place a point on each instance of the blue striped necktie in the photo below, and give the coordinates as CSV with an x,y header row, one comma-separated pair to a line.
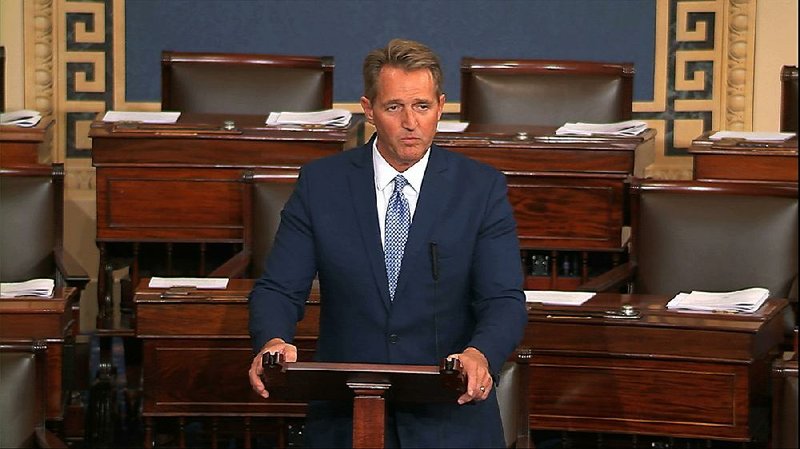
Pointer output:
x,y
398,220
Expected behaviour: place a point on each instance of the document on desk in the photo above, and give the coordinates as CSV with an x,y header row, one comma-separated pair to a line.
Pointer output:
x,y
143,117
25,118
754,136
328,117
558,298
742,301
199,283
451,126
617,129
40,288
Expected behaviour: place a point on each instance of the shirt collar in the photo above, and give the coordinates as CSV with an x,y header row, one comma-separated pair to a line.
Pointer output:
x,y
385,173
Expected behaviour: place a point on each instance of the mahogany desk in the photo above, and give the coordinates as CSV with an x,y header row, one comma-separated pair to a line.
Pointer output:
x,y
730,159
680,374
25,146
694,375
568,192
183,182
197,352
49,320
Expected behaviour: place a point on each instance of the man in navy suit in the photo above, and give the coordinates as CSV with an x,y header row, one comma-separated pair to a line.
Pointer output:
x,y
458,290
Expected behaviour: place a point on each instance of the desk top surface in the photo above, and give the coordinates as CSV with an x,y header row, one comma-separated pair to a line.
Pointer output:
x,y
704,145
62,297
651,307
22,134
528,136
211,126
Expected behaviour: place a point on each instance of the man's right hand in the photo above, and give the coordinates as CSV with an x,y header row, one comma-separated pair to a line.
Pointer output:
x,y
276,345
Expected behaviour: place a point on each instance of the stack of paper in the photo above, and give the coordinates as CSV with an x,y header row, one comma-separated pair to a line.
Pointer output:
x,y
205,283
143,117
329,117
627,128
25,118
558,298
757,136
42,288
748,300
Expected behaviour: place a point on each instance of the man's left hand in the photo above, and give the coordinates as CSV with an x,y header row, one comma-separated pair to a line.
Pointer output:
x,y
476,369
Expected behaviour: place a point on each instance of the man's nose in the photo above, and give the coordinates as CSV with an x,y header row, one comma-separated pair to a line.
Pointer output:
x,y
409,119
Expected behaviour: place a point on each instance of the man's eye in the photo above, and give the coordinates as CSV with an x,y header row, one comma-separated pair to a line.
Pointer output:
x,y
392,107
423,107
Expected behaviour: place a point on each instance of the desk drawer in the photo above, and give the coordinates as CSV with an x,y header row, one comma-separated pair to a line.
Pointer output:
x,y
205,376
556,212
188,205
607,394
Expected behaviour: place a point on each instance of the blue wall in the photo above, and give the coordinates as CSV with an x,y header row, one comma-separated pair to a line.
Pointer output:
x,y
600,30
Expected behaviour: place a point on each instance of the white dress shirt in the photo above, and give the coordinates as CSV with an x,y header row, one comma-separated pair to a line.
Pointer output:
x,y
384,184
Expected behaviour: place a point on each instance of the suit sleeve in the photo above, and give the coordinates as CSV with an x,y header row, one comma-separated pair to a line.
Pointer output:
x,y
278,297
498,300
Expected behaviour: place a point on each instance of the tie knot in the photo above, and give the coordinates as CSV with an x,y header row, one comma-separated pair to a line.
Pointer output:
x,y
399,183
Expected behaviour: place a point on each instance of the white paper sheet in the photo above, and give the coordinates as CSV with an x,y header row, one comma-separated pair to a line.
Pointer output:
x,y
451,126
143,117
757,136
552,297
201,283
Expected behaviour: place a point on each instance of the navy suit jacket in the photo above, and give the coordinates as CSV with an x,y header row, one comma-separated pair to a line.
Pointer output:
x,y
329,228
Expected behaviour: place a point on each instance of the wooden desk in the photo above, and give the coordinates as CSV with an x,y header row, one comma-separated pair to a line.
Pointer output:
x,y
568,193
183,183
50,320
693,375
196,352
26,146
745,161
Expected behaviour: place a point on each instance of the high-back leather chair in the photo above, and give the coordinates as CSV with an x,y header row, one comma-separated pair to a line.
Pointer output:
x,y
23,388
714,236
31,219
789,98
545,92
245,83
266,192
710,236
22,391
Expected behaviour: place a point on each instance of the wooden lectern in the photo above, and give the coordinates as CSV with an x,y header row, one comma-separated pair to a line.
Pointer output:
x,y
368,385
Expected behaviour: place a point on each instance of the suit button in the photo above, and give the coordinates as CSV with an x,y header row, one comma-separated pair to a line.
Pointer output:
x,y
393,338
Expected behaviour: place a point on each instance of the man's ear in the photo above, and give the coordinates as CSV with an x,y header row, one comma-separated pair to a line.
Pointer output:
x,y
366,105
441,105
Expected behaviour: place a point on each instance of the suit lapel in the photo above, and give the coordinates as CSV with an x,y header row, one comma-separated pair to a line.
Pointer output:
x,y
362,191
436,187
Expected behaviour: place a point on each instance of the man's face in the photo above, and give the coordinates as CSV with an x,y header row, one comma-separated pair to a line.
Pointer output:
x,y
405,113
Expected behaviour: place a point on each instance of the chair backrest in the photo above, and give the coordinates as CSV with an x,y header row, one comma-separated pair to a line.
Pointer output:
x,y
789,98
31,220
545,92
270,191
245,83
22,393
714,236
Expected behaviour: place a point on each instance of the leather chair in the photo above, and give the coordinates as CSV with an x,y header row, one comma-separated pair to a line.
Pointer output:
x,y
784,399
545,92
713,236
789,94
22,396
266,192
31,219
512,398
245,83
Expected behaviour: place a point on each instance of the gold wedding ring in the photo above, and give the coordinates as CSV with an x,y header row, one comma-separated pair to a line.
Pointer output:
x,y
482,388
